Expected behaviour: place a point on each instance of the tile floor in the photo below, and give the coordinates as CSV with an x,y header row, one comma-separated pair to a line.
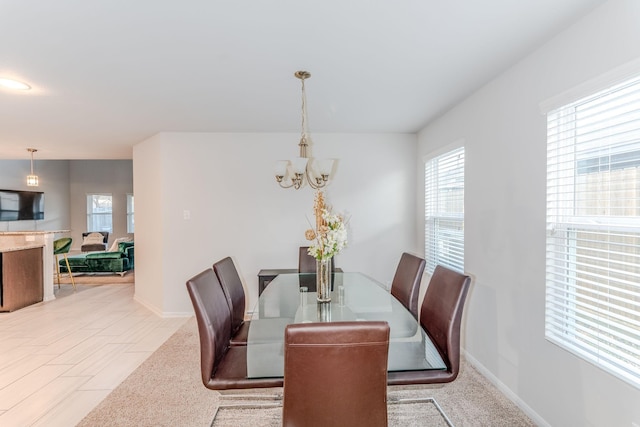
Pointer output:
x,y
59,359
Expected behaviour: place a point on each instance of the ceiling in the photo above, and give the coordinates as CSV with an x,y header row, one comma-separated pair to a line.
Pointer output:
x,y
106,75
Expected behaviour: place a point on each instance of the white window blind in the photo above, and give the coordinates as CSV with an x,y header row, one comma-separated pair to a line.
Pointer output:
x,y
130,214
593,229
444,210
99,210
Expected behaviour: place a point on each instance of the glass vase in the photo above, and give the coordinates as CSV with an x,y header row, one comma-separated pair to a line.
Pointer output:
x,y
324,312
323,280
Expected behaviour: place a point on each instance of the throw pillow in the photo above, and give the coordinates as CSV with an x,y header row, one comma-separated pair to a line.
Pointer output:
x,y
114,246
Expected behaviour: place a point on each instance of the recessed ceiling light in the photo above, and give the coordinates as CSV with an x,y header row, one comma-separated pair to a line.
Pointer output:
x,y
14,84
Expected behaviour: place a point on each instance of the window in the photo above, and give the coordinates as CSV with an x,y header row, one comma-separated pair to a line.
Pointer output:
x,y
99,209
130,216
593,229
444,210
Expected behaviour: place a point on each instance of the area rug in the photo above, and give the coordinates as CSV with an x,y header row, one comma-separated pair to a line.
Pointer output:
x,y
166,390
95,278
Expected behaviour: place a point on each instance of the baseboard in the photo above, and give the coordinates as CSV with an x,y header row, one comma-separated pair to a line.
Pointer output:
x,y
158,312
506,390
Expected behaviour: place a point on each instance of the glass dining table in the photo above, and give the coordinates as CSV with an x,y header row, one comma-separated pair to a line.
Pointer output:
x,y
291,298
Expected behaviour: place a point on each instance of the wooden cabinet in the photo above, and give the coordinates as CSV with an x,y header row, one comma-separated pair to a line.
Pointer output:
x,y
21,278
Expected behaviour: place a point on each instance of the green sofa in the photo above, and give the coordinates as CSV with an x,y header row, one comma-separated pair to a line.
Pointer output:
x,y
119,261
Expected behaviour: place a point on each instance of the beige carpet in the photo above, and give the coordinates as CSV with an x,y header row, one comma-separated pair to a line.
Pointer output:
x,y
166,390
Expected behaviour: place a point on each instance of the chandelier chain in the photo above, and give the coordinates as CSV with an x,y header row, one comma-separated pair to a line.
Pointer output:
x,y
303,132
304,111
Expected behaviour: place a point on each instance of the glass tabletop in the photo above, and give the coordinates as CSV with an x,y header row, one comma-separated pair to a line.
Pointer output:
x,y
354,297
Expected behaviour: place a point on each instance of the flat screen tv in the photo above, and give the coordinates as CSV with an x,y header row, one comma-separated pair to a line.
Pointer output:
x,y
21,205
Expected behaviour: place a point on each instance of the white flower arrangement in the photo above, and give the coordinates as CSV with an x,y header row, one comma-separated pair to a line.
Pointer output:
x,y
330,235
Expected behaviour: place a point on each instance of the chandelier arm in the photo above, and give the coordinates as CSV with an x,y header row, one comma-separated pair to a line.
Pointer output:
x,y
295,181
285,186
312,180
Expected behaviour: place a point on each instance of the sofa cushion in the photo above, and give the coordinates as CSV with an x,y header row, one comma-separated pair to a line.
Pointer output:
x,y
114,265
75,260
105,255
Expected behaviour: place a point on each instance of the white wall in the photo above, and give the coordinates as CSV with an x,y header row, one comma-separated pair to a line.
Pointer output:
x,y
505,182
151,170
113,177
236,208
53,177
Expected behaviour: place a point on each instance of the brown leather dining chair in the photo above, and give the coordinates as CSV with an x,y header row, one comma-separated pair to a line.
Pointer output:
x,y
306,263
222,366
440,317
335,374
229,278
406,282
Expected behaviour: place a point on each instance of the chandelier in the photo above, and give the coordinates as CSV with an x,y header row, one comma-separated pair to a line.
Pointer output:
x,y
304,169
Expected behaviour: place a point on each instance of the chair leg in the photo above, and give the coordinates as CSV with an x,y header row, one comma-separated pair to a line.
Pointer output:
x,y
243,406
66,260
58,270
399,401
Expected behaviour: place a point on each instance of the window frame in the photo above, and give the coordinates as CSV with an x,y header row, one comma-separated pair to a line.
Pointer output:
x,y
443,245
91,214
590,284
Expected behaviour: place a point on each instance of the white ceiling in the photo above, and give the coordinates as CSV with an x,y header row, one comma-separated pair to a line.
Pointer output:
x,y
107,74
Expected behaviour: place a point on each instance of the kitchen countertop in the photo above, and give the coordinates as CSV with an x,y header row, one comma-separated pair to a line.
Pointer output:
x,y
21,233
17,240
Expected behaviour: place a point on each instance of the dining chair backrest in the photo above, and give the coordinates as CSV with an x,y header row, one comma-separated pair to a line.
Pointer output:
x,y
406,281
306,263
231,283
335,374
213,317
441,314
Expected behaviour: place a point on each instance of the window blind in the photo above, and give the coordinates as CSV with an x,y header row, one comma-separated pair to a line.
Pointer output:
x,y
99,210
130,214
593,229
444,210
